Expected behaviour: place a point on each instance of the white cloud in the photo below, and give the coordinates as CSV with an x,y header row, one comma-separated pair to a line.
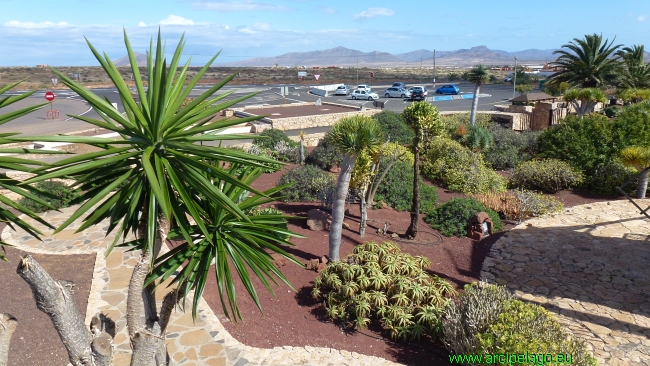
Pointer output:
x,y
142,24
329,10
226,27
256,28
642,18
243,5
32,25
374,12
176,20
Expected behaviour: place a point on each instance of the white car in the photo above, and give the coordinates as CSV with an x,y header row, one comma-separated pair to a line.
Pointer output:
x,y
426,92
397,93
363,94
342,90
365,87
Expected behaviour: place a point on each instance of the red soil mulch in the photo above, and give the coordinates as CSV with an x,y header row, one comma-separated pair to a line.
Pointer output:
x,y
295,319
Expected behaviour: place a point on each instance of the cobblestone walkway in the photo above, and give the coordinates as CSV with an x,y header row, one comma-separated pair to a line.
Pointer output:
x,y
205,342
589,265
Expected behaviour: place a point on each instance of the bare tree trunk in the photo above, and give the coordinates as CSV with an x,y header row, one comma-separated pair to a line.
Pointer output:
x,y
642,185
54,298
7,328
302,151
364,212
375,184
472,118
338,211
412,231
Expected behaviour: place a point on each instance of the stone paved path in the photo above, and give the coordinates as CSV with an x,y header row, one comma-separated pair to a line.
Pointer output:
x,y
589,265
205,342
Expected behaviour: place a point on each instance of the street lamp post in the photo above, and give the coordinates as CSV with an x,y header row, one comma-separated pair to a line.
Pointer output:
x,y
514,78
434,67
357,71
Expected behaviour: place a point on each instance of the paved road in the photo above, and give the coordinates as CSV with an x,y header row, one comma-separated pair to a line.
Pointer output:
x,y
69,102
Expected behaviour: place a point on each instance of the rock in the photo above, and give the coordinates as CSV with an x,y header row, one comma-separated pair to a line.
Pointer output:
x,y
312,264
321,267
318,220
278,260
394,235
324,259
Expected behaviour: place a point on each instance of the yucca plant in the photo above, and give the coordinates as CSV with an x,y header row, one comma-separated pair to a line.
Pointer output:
x,y
155,177
639,158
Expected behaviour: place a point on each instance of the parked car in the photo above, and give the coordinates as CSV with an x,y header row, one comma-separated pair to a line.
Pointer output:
x,y
364,87
397,93
363,94
342,90
399,84
418,94
419,87
448,89
508,79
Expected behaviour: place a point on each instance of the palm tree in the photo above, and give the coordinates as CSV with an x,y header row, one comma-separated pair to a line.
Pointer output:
x,y
425,120
478,75
587,62
638,157
302,134
584,100
635,73
352,135
154,178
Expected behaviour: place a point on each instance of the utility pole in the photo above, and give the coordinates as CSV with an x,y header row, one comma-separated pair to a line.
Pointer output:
x,y
420,70
434,68
514,78
357,71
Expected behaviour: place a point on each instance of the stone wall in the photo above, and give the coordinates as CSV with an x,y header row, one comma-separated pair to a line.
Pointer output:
x,y
322,120
310,140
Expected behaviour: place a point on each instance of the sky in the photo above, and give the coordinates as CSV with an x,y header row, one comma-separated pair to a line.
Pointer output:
x,y
52,32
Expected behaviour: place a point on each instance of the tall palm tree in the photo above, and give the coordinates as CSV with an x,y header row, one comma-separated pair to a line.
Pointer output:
x,y
638,157
478,75
635,73
425,120
587,62
352,135
156,177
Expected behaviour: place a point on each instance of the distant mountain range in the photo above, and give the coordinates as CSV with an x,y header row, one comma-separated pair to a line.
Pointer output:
x,y
341,56
124,61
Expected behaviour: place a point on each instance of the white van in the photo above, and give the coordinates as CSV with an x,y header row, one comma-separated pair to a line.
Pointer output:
x,y
365,87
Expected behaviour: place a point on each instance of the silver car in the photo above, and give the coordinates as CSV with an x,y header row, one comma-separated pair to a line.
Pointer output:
x,y
363,94
342,90
397,93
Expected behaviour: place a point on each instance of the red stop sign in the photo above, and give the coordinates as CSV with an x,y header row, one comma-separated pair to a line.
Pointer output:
x,y
49,96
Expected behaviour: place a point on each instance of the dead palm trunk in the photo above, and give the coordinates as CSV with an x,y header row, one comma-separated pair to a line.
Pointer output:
x,y
472,118
412,230
338,211
642,184
7,328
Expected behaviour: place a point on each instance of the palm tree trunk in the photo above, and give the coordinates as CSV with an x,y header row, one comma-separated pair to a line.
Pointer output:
x,y
338,211
302,152
412,231
7,328
642,185
364,212
472,118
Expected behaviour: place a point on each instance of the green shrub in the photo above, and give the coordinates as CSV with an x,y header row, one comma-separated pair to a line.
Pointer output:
x,y
550,175
56,194
528,328
608,176
262,151
631,127
308,181
288,152
452,121
472,313
326,155
388,150
272,211
460,169
269,138
380,283
396,190
584,142
533,204
452,218
612,112
394,127
510,147
477,138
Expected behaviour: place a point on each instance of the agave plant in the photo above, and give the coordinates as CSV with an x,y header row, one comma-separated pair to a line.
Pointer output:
x,y
154,177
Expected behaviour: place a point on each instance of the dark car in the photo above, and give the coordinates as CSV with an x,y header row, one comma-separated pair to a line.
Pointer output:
x,y
418,94
399,84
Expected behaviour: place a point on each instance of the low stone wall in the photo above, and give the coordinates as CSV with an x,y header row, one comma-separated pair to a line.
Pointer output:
x,y
322,120
310,140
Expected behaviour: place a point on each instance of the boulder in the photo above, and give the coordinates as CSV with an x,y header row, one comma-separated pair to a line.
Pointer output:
x,y
318,220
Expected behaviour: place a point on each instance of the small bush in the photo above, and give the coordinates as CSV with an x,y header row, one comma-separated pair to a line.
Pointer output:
x,y
472,313
460,169
452,121
549,175
394,127
269,138
452,218
288,152
509,147
477,138
520,204
529,328
57,194
308,181
612,112
610,175
262,151
378,283
396,190
326,155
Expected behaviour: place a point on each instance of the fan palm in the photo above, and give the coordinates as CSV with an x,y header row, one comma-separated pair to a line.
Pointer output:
x,y
478,75
587,62
156,177
352,135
